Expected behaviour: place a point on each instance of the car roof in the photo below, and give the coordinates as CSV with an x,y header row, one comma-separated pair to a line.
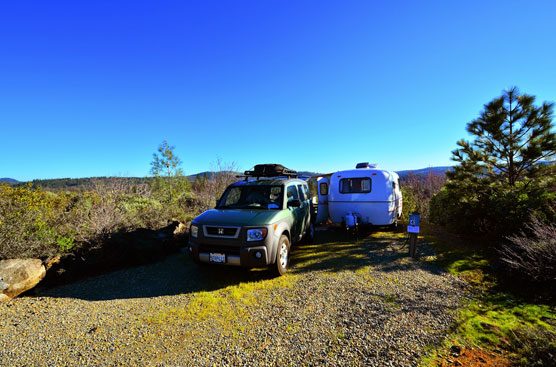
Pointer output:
x,y
269,181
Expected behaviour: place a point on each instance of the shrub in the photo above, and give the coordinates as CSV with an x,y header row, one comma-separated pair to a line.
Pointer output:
x,y
418,190
25,223
532,252
409,202
493,209
210,187
536,346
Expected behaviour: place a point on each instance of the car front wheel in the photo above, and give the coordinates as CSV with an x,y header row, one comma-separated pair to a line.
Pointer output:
x,y
282,256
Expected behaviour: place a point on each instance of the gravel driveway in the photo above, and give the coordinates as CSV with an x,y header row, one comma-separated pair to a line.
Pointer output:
x,y
344,302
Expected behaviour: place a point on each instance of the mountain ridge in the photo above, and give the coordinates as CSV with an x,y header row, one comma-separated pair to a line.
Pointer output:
x,y
8,180
86,181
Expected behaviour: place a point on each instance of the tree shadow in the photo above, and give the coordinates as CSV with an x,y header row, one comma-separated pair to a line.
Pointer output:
x,y
332,250
336,250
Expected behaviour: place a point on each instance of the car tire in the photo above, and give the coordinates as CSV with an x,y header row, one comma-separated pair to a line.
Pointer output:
x,y
282,256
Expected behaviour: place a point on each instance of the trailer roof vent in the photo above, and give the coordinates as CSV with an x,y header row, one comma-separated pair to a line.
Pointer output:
x,y
366,165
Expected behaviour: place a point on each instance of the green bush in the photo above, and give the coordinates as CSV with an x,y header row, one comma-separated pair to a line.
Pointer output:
x,y
410,202
37,223
536,346
417,191
26,217
493,208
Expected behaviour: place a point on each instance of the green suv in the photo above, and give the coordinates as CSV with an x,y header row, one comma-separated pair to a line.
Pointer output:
x,y
255,222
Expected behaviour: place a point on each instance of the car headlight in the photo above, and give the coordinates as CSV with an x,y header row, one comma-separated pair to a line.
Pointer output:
x,y
194,231
256,234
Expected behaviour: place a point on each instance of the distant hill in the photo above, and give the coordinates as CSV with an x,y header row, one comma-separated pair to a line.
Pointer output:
x,y
87,183
424,171
8,180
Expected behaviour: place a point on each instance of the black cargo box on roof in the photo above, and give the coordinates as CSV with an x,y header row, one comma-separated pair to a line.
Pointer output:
x,y
270,170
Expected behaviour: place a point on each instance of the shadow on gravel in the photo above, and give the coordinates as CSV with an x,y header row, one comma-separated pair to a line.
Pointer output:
x,y
333,250
174,275
336,250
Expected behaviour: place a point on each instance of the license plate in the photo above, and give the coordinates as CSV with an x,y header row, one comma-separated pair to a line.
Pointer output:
x,y
217,258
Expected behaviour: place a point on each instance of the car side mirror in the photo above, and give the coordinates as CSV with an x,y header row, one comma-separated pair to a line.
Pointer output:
x,y
295,203
217,203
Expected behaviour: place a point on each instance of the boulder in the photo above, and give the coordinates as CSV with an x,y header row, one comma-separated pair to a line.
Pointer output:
x,y
181,229
19,275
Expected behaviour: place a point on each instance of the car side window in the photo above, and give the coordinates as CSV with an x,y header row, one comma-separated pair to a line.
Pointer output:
x,y
306,190
292,193
302,194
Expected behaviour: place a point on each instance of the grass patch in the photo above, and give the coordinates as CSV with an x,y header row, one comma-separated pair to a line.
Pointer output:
x,y
495,319
226,310
335,250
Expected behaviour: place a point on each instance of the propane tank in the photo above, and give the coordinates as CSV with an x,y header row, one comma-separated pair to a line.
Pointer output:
x,y
351,219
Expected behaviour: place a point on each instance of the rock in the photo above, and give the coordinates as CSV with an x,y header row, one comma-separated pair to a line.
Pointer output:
x,y
455,350
181,228
3,285
18,276
52,261
491,327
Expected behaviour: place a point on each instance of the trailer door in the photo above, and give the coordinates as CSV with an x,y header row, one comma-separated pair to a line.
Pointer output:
x,y
323,188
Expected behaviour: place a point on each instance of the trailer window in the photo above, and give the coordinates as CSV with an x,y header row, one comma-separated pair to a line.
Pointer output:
x,y
356,185
323,188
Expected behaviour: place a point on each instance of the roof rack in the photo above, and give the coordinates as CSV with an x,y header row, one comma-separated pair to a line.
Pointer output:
x,y
269,170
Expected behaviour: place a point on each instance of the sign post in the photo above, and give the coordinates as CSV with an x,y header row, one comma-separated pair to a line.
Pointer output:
x,y
413,230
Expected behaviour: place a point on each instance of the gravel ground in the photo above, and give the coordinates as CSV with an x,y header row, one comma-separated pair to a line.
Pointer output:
x,y
344,303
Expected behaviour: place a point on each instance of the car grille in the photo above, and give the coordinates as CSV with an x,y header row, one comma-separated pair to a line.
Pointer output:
x,y
220,231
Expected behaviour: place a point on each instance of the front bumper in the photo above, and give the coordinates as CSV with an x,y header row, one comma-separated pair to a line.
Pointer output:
x,y
248,256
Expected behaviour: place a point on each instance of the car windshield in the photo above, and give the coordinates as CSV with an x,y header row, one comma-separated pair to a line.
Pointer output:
x,y
253,197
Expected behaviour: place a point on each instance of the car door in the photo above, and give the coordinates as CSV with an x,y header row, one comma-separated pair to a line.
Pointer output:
x,y
305,206
296,212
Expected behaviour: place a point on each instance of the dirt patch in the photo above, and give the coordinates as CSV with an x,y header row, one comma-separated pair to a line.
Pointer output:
x,y
475,358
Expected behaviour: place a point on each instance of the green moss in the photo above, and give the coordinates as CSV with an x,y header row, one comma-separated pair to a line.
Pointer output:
x,y
227,309
493,318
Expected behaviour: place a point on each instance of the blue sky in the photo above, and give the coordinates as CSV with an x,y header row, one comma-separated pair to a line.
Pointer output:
x,y
91,88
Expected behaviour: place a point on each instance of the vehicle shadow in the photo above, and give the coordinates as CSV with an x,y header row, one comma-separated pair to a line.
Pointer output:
x,y
175,274
332,250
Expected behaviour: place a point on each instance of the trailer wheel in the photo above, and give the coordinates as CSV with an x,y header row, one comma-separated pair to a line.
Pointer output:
x,y
394,225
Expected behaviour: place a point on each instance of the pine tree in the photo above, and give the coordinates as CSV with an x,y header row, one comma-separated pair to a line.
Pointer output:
x,y
165,168
505,173
511,136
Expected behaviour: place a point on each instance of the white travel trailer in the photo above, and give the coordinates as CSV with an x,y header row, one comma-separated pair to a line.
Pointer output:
x,y
362,196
